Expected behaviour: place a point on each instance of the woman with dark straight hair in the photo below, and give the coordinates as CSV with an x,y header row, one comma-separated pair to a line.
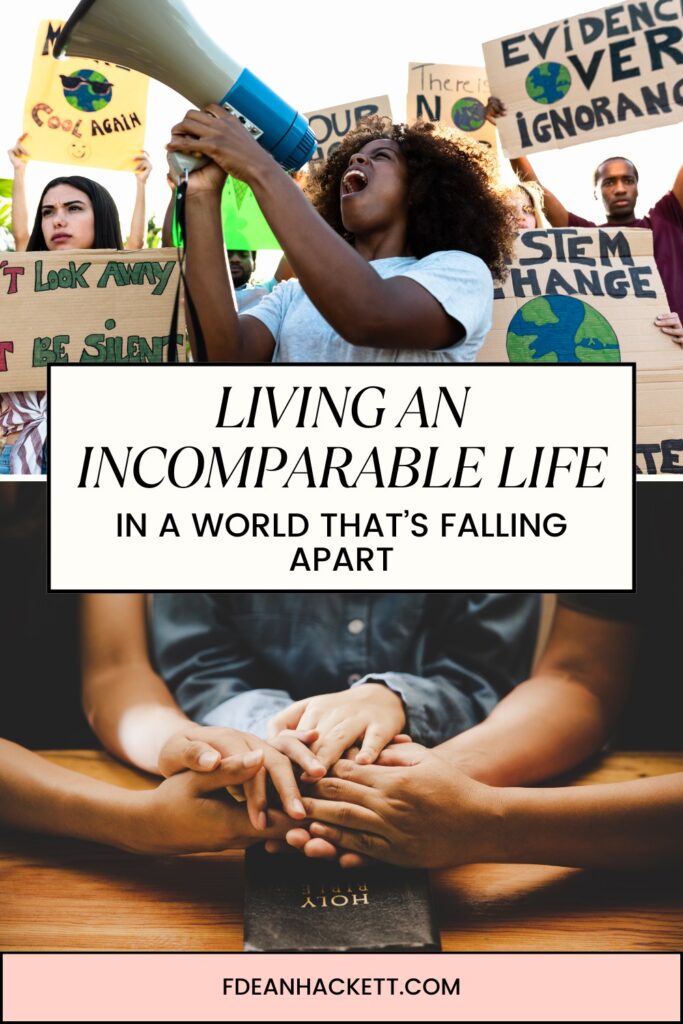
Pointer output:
x,y
73,213
105,216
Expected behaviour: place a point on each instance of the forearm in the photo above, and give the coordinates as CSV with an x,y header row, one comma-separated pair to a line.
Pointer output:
x,y
136,238
284,272
623,825
39,796
523,169
554,209
132,712
20,211
127,703
543,727
209,282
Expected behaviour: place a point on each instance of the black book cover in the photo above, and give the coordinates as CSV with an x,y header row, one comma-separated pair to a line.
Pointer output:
x,y
294,903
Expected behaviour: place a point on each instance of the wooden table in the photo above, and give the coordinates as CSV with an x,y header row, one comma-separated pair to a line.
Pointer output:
x,y
61,894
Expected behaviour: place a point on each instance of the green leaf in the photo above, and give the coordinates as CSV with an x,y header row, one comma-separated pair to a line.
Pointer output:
x,y
6,188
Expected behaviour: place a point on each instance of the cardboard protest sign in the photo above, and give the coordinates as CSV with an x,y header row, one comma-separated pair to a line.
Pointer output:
x,y
590,295
85,112
659,445
331,124
613,71
85,306
451,94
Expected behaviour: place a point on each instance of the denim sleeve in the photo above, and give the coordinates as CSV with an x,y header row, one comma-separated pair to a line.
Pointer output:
x,y
249,711
468,662
213,672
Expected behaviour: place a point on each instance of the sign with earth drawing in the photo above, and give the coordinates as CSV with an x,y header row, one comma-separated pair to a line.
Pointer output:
x,y
613,71
453,95
84,112
590,295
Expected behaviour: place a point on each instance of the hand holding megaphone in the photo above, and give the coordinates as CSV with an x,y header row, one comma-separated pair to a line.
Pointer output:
x,y
220,136
206,175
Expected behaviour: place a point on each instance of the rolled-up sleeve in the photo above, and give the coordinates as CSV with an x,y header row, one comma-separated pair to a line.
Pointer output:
x,y
468,661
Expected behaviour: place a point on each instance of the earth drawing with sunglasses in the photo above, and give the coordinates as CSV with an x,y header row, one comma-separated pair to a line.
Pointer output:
x,y
86,90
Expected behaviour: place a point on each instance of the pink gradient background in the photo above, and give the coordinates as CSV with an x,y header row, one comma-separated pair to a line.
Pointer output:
x,y
524,986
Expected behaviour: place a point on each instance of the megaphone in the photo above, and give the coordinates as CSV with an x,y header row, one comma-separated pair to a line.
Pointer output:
x,y
161,39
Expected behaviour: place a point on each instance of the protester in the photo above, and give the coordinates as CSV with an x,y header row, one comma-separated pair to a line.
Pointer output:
x,y
242,263
615,181
19,158
413,203
525,200
73,213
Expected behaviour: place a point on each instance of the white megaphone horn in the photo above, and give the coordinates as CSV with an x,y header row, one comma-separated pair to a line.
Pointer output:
x,y
161,39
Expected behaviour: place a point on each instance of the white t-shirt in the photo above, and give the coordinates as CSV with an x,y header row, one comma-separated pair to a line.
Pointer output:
x,y
460,282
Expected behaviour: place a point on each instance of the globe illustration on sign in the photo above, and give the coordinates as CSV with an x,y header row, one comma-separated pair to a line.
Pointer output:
x,y
548,83
468,114
561,329
86,90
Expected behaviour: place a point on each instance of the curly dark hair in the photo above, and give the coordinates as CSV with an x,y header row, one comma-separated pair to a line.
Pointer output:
x,y
451,199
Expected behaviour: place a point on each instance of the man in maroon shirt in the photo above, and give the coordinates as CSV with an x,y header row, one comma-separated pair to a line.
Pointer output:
x,y
616,181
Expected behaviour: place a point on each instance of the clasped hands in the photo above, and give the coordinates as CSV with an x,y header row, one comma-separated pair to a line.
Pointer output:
x,y
306,740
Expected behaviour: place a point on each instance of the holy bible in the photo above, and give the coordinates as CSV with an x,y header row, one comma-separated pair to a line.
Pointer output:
x,y
293,904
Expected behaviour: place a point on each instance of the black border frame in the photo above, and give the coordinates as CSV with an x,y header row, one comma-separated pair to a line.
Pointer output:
x,y
311,590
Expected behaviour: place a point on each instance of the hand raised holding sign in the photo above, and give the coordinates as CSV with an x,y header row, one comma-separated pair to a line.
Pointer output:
x,y
18,155
670,323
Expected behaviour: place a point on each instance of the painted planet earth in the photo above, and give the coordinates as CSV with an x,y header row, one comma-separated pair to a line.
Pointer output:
x,y
79,93
548,83
468,114
561,329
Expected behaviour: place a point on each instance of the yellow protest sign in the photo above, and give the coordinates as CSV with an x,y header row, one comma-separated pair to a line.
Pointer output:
x,y
453,95
84,112
581,295
84,306
331,124
612,71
